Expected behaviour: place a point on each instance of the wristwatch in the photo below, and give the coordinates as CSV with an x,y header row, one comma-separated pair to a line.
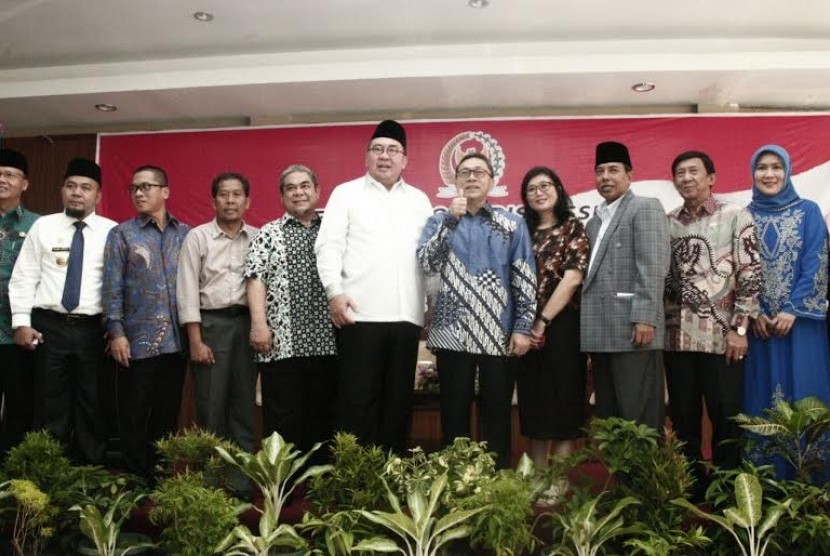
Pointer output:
x,y
544,319
740,327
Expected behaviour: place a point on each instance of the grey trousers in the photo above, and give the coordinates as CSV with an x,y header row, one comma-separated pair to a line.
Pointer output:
x,y
630,385
225,390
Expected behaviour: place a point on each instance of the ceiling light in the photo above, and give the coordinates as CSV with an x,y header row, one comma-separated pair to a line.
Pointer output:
x,y
478,3
643,87
104,107
204,17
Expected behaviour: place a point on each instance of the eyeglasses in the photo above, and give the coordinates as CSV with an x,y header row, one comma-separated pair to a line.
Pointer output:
x,y
391,150
541,187
143,187
11,175
478,173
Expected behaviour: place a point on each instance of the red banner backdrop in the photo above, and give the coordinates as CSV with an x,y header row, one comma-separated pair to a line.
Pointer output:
x,y
336,153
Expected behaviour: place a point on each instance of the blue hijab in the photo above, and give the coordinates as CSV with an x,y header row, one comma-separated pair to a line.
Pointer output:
x,y
783,198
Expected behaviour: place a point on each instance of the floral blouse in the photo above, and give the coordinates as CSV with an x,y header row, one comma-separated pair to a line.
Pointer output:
x,y
563,246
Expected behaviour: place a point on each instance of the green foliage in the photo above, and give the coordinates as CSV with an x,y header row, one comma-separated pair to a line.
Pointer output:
x,y
194,451
585,529
195,518
420,529
103,529
277,469
355,477
806,527
504,524
33,515
467,464
643,467
39,458
797,431
241,542
746,521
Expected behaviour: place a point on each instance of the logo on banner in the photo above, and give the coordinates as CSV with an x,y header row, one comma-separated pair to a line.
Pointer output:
x,y
463,144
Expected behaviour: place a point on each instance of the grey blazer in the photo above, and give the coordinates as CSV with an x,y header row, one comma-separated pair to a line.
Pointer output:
x,y
626,280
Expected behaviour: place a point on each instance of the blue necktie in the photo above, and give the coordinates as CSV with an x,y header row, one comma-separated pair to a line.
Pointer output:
x,y
72,287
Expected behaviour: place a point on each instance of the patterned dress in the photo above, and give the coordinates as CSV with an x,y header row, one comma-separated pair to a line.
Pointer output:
x,y
551,381
794,257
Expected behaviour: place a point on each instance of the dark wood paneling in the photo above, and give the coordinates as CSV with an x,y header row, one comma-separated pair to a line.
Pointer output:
x,y
48,157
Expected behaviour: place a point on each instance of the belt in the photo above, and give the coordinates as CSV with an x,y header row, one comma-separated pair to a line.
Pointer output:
x,y
68,318
232,311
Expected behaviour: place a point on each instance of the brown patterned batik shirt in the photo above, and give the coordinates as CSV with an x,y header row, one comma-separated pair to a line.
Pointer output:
x,y
563,246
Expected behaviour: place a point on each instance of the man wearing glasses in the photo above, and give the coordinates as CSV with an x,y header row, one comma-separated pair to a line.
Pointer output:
x,y
55,295
140,267
16,377
485,307
366,260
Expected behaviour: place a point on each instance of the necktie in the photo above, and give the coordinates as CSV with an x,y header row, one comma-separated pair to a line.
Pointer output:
x,y
72,287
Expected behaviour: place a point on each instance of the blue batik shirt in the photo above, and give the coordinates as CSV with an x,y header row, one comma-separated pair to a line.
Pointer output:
x,y
488,280
140,265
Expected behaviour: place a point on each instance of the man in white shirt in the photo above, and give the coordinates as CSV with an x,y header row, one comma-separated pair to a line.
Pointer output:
x,y
55,297
367,264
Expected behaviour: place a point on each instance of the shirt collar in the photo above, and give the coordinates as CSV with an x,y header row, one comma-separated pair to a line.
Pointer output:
x,y
708,206
375,183
90,220
609,210
217,232
16,212
144,219
288,219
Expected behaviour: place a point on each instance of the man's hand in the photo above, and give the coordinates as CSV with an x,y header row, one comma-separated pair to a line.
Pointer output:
x,y
260,338
736,347
340,307
519,344
762,326
782,323
120,350
458,207
201,353
642,334
27,337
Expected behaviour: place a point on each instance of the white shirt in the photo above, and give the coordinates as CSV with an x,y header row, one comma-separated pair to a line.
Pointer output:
x,y
606,213
366,249
40,271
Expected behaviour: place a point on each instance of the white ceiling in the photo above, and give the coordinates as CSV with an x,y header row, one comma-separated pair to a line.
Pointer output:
x,y
274,61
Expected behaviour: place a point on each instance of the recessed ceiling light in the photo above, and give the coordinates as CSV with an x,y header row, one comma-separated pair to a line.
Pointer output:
x,y
643,87
104,107
204,17
478,3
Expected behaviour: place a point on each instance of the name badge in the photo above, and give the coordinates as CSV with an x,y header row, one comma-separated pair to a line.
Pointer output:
x,y
60,249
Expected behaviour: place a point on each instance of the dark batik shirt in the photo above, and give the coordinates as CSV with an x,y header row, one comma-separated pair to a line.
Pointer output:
x,y
561,247
14,226
140,265
296,309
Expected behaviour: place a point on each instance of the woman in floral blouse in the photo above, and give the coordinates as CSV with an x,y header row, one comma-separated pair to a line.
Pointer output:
x,y
551,379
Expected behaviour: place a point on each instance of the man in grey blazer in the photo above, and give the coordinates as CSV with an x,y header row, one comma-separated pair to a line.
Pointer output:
x,y
622,321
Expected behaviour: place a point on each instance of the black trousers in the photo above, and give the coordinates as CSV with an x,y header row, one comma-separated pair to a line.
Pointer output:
x,y
377,377
298,399
68,386
693,379
496,377
17,386
149,396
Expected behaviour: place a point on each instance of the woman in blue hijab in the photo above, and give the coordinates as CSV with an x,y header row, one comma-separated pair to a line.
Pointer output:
x,y
788,356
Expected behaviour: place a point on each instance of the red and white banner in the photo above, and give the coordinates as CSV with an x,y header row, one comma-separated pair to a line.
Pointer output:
x,y
337,153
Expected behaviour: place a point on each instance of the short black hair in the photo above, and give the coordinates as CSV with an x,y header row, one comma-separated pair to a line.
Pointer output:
x,y
159,172
562,210
227,176
688,155
478,155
